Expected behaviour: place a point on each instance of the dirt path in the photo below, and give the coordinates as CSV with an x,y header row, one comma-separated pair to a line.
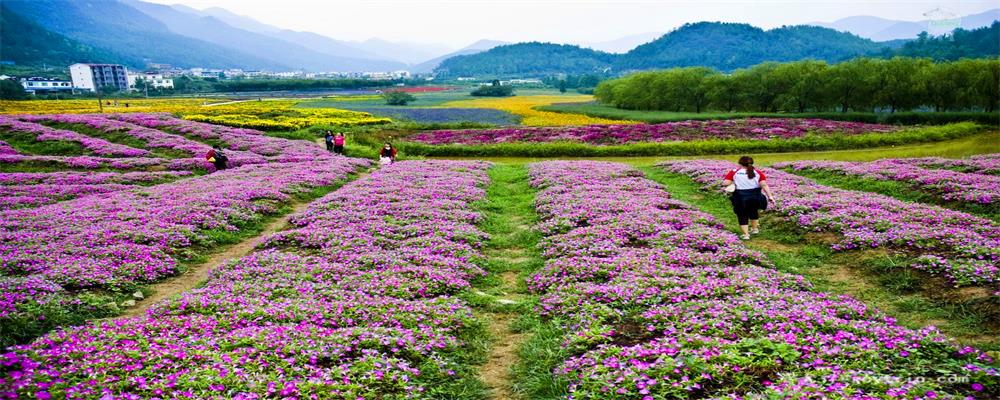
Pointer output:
x,y
199,273
496,372
509,219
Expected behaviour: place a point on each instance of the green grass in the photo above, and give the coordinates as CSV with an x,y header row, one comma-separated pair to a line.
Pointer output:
x,y
594,109
900,190
698,147
879,279
509,218
25,143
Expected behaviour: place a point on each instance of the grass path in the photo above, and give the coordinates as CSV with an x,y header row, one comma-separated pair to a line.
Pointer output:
x,y
511,253
869,276
194,274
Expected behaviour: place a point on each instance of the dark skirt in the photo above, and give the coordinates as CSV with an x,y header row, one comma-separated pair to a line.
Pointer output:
x,y
749,199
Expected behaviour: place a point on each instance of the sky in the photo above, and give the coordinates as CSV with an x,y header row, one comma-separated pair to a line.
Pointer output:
x,y
457,23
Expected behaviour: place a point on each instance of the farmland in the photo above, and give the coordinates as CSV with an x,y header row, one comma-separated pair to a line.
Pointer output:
x,y
132,268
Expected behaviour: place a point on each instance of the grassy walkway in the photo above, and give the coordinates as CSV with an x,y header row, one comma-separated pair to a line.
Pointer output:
x,y
511,253
869,276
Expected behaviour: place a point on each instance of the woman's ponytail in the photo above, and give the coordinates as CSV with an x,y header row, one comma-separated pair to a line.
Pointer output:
x,y
747,162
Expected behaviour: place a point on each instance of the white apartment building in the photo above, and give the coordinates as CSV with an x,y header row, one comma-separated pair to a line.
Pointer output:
x,y
35,85
153,81
95,76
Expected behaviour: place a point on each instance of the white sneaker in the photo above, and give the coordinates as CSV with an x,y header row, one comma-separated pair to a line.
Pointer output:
x,y
745,236
755,231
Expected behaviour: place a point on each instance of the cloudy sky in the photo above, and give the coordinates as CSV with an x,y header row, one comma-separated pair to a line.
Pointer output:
x,y
460,22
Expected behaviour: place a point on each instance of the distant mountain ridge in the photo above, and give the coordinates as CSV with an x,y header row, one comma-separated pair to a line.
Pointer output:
x,y
724,46
718,45
882,29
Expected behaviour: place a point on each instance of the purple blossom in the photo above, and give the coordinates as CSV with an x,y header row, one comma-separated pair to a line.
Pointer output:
x,y
749,128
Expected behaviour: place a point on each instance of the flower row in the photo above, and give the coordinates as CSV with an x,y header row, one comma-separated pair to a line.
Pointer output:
x,y
44,133
963,248
138,235
946,184
981,164
353,302
6,149
28,189
750,128
657,301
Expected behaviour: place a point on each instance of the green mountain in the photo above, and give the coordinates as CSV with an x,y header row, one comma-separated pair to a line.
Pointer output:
x,y
27,43
729,46
525,59
132,36
722,46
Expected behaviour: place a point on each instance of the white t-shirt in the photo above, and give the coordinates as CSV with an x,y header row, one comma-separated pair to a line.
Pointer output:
x,y
739,177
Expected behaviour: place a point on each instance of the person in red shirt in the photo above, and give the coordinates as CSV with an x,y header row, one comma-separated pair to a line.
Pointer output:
x,y
747,197
338,143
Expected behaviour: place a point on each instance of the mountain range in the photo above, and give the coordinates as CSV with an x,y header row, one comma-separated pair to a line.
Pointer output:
x,y
717,45
881,29
135,33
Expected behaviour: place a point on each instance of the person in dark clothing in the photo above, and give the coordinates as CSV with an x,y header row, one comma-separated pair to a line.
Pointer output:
x,y
748,187
218,158
328,138
338,143
387,155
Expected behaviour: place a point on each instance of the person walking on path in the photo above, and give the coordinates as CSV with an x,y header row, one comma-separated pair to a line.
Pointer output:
x,y
218,158
338,143
387,155
328,138
748,187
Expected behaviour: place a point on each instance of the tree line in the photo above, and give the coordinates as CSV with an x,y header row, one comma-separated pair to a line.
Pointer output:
x,y
860,84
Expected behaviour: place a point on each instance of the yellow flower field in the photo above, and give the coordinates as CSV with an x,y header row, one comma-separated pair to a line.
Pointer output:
x,y
524,107
267,114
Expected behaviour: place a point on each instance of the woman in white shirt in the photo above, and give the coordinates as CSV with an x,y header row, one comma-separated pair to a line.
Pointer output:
x,y
748,196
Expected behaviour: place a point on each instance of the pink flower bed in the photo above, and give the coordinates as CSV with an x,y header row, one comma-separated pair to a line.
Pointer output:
x,y
655,301
946,184
356,304
750,128
961,247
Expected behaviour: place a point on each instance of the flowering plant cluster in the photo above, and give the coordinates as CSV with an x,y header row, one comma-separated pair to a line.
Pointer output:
x,y
946,184
86,162
352,303
6,149
750,128
963,248
657,301
126,237
981,164
42,133
31,189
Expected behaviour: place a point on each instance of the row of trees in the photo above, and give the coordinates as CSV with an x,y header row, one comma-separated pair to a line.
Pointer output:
x,y
861,84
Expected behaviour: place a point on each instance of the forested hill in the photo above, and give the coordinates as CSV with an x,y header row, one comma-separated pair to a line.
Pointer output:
x,y
721,46
24,42
527,59
976,43
728,46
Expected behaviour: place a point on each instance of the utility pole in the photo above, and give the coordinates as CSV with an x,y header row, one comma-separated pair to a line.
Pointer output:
x,y
100,104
